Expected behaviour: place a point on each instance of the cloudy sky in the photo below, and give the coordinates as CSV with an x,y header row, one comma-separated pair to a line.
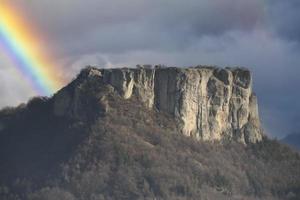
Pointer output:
x,y
263,35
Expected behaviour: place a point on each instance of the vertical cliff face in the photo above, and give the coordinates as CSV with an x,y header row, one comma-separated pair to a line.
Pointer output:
x,y
208,103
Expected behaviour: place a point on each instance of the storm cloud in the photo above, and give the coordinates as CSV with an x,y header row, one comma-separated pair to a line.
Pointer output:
x,y
261,35
285,18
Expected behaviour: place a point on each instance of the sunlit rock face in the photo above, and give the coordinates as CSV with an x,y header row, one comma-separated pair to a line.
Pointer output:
x,y
208,103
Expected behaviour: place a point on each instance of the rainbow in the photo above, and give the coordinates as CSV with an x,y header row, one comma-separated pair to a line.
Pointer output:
x,y
22,46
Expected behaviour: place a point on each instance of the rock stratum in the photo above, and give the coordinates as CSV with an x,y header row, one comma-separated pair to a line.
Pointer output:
x,y
208,103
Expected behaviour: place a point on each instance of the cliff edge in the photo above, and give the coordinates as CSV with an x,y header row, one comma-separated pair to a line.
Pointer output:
x,y
208,103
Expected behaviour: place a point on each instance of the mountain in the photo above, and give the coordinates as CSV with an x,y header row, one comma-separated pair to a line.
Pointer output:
x,y
145,133
207,103
292,140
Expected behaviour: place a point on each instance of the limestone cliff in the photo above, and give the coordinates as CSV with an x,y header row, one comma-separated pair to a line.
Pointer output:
x,y
208,103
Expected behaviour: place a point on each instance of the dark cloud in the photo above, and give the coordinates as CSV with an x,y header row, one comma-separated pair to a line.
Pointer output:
x,y
284,17
120,26
256,34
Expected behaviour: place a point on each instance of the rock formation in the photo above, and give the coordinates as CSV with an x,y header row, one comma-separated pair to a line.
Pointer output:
x,y
208,103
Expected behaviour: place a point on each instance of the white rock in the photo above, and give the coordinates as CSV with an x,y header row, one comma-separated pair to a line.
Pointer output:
x,y
208,103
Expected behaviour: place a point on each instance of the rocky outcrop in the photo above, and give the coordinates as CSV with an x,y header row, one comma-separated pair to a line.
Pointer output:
x,y
208,103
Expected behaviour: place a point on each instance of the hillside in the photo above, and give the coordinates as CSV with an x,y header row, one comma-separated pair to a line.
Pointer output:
x,y
90,141
293,140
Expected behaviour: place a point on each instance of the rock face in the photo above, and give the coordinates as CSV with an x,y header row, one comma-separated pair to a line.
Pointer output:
x,y
208,103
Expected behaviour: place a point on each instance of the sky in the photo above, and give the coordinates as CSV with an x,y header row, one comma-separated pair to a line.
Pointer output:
x,y
262,35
